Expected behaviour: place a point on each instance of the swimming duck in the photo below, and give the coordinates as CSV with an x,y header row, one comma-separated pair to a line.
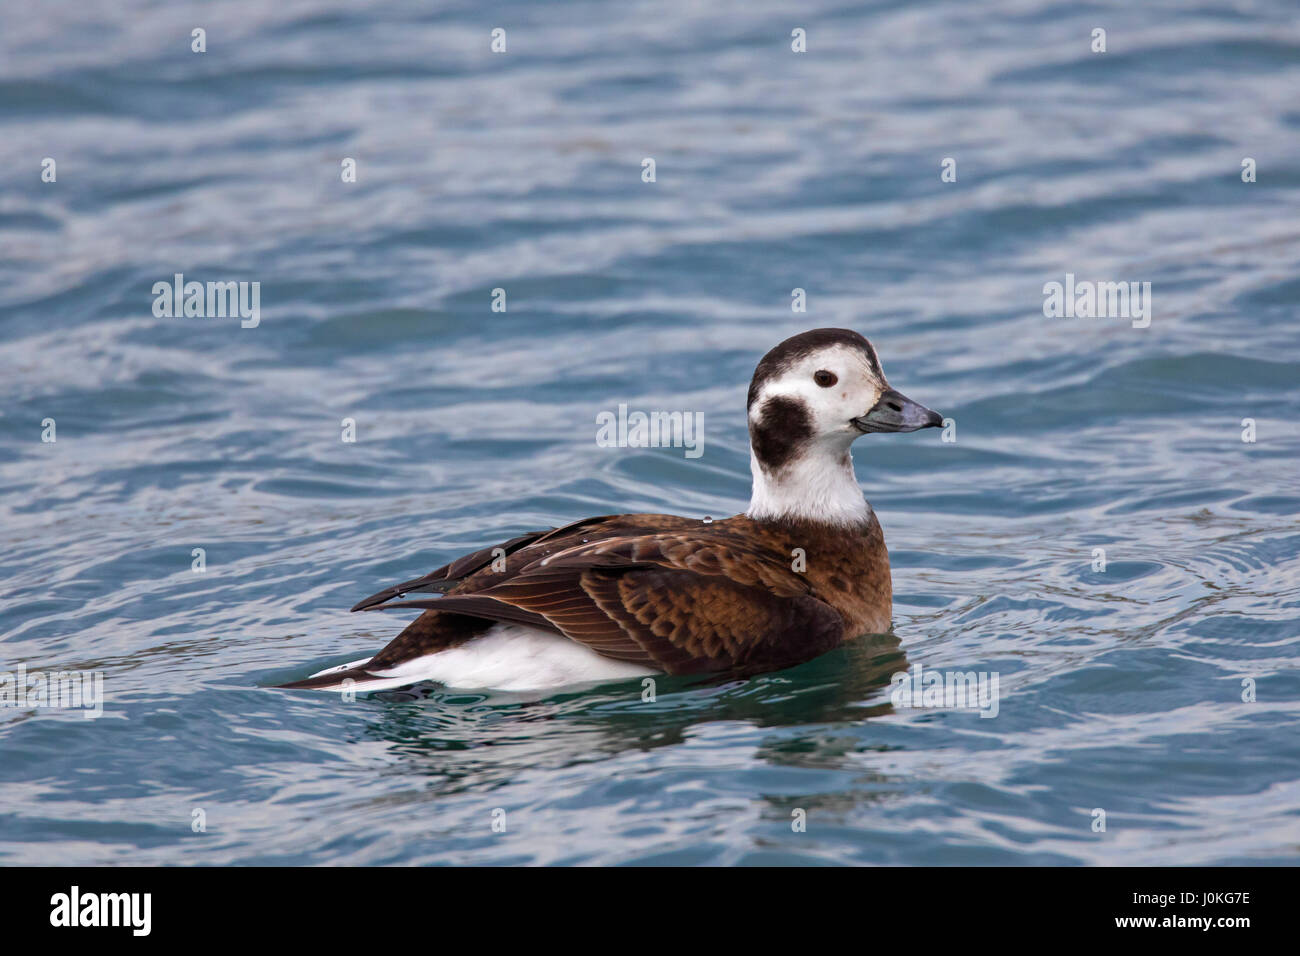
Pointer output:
x,y
621,596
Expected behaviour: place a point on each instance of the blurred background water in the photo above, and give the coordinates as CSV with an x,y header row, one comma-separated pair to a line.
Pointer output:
x,y
1121,689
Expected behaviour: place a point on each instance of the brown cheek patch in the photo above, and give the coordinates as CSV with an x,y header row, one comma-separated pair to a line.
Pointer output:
x,y
784,425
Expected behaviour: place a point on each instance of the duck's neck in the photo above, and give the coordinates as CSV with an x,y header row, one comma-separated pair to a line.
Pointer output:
x,y
819,488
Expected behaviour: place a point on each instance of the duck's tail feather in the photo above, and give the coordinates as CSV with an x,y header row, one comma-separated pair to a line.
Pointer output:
x,y
353,676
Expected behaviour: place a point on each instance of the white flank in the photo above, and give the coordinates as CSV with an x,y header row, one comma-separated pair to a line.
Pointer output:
x,y
508,657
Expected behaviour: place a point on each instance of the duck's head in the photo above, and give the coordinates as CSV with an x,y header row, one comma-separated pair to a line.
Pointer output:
x,y
810,398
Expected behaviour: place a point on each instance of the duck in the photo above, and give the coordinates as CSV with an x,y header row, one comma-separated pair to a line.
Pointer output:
x,y
616,597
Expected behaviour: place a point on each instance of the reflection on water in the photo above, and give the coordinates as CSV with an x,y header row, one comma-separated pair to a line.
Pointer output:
x,y
512,731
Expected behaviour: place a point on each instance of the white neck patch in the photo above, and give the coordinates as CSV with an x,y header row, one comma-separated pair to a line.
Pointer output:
x,y
818,486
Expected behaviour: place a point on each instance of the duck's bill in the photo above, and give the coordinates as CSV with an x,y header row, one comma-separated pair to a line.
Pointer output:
x,y
895,412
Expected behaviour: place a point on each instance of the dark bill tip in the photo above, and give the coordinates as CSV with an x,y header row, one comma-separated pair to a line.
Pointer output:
x,y
895,412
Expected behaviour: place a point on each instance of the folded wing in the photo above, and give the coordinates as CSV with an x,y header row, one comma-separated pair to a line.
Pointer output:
x,y
682,603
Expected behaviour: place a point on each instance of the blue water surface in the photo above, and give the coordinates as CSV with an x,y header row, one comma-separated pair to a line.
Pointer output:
x,y
1163,690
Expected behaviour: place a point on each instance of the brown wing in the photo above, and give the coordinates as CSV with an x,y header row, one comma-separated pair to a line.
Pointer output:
x,y
684,603
532,545
438,629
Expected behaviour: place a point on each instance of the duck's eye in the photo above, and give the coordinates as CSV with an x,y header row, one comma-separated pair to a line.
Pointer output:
x,y
824,378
